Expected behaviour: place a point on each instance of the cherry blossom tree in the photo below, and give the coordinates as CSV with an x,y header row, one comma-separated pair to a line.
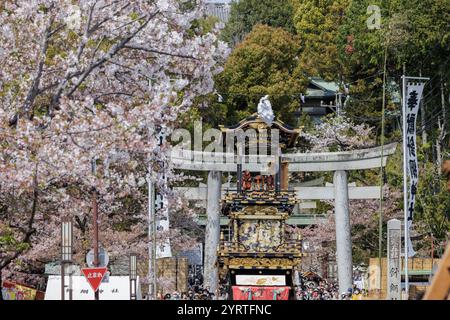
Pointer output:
x,y
364,225
338,133
86,86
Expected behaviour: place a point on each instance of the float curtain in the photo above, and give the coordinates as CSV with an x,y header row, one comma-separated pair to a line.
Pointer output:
x,y
260,293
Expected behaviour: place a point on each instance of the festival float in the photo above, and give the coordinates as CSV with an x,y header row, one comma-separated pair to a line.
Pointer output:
x,y
257,258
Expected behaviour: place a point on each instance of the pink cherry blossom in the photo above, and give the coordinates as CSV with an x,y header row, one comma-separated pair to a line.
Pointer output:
x,y
85,82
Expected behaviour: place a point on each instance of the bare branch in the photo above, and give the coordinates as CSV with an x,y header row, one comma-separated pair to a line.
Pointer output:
x,y
113,51
97,98
136,47
90,130
100,23
34,90
77,144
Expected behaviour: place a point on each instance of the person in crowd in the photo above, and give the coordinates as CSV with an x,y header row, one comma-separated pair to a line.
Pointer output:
x,y
357,295
307,289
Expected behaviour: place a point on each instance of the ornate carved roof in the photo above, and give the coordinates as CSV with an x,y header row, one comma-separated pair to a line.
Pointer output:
x,y
288,134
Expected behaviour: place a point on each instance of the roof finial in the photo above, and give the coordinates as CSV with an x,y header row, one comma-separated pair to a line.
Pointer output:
x,y
265,111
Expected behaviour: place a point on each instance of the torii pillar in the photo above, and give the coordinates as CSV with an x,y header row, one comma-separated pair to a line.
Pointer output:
x,y
343,234
339,162
212,230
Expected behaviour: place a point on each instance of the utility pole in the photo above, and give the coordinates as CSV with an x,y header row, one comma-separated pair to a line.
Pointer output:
x,y
95,223
63,285
444,113
151,239
439,139
338,103
95,218
405,187
441,126
423,119
152,245
380,220
432,248
133,276
66,253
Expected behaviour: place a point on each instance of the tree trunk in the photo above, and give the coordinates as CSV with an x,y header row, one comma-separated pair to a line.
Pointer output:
x,y
423,122
439,140
423,118
444,114
1,286
26,237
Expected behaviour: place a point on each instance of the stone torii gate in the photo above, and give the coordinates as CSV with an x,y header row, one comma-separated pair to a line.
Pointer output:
x,y
306,193
338,162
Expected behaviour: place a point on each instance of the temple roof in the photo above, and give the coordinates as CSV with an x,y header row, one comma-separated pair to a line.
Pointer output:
x,y
288,134
320,88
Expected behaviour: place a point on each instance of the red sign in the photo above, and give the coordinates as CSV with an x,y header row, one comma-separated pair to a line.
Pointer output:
x,y
260,293
94,276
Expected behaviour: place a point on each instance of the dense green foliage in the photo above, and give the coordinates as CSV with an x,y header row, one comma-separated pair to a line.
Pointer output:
x,y
245,14
264,63
414,34
332,39
317,24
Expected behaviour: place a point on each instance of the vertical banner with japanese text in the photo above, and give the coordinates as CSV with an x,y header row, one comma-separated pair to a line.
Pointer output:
x,y
413,96
163,249
394,247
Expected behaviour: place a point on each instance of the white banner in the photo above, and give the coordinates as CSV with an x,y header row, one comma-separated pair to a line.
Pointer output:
x,y
163,249
414,94
257,280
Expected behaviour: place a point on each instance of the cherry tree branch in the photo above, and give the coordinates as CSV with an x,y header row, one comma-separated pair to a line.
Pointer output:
x,y
141,48
34,90
29,230
114,50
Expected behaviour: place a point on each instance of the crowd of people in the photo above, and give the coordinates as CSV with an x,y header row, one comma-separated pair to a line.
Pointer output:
x,y
195,288
325,291
199,294
309,287
195,292
312,287
311,290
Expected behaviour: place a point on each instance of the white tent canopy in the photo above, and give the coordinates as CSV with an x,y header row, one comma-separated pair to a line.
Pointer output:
x,y
117,288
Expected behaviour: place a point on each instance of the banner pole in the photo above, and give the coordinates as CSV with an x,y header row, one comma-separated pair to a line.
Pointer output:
x,y
151,238
405,189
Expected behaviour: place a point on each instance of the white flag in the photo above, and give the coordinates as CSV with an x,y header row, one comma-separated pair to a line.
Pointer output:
x,y
413,96
163,249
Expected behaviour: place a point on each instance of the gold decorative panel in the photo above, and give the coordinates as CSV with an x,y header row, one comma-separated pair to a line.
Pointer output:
x,y
263,262
261,234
